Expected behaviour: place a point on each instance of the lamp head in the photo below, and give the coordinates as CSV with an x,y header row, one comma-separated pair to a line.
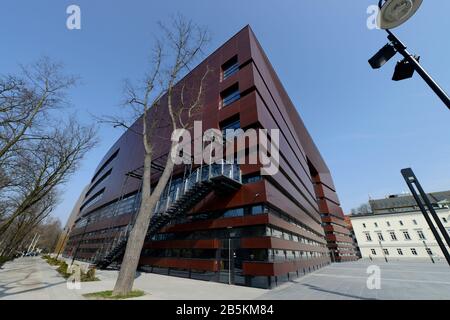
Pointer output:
x,y
394,13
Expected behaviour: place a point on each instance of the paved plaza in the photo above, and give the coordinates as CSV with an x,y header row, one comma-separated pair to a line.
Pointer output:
x,y
33,278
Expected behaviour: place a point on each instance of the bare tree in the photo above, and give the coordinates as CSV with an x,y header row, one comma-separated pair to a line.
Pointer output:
x,y
46,164
362,209
25,224
173,54
40,148
26,99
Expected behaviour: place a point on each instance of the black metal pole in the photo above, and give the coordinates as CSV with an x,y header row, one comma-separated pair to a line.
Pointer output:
x,y
430,207
410,178
382,251
426,249
401,48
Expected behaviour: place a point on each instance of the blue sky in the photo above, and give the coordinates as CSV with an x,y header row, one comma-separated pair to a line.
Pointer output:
x,y
366,126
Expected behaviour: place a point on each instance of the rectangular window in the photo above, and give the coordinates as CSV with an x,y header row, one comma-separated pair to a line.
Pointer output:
x,y
239,212
380,236
260,209
230,95
94,199
400,252
277,233
368,237
421,235
107,162
415,222
364,225
230,67
401,222
251,178
413,251
375,224
386,251
374,252
444,219
393,236
388,223
229,128
406,235
96,184
429,251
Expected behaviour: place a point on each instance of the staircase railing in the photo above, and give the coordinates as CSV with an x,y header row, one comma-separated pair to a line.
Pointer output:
x,y
204,173
172,197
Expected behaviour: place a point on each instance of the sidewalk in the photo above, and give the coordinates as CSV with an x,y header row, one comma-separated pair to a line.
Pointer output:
x,y
33,278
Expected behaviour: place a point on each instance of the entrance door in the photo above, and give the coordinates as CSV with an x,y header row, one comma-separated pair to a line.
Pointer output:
x,y
231,262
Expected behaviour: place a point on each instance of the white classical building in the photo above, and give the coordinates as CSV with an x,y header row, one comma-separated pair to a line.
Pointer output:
x,y
397,229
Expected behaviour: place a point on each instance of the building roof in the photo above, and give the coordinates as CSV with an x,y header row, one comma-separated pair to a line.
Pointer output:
x,y
405,201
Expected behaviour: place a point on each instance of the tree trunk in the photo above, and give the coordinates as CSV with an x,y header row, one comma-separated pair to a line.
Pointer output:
x,y
124,283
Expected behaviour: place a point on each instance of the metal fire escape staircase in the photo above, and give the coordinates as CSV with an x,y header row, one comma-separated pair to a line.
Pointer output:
x,y
178,198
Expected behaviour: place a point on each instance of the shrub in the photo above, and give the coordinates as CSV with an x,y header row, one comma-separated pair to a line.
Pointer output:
x,y
51,261
4,259
63,269
89,275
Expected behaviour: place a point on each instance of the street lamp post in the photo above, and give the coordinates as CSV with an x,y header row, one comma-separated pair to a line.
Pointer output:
x,y
392,14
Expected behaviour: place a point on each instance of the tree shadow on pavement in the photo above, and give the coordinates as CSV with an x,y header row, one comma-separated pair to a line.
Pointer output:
x,y
4,288
313,287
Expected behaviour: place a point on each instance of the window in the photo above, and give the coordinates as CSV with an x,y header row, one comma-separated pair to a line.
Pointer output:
x,y
252,178
406,235
413,251
230,95
255,210
229,128
388,223
401,222
386,251
107,162
374,252
230,67
380,236
375,224
421,235
364,225
103,178
444,219
415,222
393,236
239,212
429,252
277,233
400,252
94,199
368,237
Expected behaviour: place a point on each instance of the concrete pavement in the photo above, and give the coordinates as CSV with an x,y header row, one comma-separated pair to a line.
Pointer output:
x,y
343,281
33,278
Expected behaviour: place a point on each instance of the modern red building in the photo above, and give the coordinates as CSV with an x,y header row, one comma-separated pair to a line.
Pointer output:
x,y
244,229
